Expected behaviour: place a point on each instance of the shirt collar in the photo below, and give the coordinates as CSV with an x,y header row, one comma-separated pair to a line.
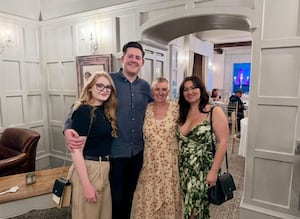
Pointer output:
x,y
124,78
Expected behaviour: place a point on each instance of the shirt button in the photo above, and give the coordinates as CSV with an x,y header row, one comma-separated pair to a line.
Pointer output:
x,y
132,106
132,130
132,95
132,119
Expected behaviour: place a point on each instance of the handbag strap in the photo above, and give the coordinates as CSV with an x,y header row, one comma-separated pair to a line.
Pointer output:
x,y
88,133
213,146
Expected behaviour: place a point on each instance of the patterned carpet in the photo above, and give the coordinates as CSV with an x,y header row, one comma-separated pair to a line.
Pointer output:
x,y
228,210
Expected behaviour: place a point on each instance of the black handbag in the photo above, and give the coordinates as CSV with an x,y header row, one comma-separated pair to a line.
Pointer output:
x,y
223,190
61,192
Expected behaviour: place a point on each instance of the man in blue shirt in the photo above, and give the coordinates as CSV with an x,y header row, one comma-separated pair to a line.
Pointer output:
x,y
133,95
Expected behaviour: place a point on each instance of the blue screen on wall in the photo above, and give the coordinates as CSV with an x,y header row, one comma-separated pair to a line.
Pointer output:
x,y
241,77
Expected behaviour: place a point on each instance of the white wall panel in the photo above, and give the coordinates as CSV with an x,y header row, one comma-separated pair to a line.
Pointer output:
x,y
274,25
105,35
54,76
52,43
85,30
58,140
127,29
67,41
33,76
280,63
264,192
31,42
147,69
55,108
42,144
12,33
15,114
269,135
12,75
35,108
69,76
69,101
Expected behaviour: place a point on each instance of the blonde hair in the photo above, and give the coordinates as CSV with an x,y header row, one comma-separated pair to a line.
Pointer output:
x,y
159,80
110,105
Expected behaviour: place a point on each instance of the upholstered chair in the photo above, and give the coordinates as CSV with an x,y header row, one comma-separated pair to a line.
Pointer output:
x,y
18,151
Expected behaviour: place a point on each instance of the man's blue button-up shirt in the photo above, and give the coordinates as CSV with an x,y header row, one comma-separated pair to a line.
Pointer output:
x,y
133,98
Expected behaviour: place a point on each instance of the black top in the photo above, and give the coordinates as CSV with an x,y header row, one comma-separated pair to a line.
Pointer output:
x,y
235,98
99,140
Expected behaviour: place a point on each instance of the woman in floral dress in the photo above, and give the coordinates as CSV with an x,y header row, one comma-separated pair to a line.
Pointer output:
x,y
158,194
197,166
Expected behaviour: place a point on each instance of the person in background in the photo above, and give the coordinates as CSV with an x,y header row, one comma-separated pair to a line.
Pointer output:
x,y
158,193
133,95
236,98
94,119
198,167
216,94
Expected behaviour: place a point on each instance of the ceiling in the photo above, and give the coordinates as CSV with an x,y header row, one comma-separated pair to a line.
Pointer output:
x,y
226,38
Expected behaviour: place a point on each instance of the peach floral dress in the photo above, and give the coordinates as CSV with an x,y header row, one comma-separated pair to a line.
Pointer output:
x,y
158,194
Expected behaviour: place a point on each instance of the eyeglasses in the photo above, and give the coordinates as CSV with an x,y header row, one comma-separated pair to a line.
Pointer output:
x,y
101,87
190,88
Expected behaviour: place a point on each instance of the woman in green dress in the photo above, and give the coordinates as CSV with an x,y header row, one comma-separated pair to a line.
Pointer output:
x,y
198,166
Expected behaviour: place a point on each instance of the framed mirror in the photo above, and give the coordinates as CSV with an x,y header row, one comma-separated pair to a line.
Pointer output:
x,y
87,65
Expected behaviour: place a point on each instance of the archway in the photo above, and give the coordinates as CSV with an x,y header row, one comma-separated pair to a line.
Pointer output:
x,y
163,31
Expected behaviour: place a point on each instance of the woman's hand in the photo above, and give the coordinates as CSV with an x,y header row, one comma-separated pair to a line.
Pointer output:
x,y
211,178
90,193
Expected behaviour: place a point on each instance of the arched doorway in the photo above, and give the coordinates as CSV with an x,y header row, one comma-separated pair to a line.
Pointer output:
x,y
162,30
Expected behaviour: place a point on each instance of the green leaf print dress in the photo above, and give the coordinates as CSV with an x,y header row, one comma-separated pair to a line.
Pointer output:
x,y
195,160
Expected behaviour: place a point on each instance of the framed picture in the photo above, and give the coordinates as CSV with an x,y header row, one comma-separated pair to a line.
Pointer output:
x,y
241,77
88,65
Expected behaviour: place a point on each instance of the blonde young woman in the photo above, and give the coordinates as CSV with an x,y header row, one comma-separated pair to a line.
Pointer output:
x,y
91,197
198,166
158,194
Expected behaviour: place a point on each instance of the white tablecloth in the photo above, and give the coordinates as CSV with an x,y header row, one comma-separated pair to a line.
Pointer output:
x,y
243,139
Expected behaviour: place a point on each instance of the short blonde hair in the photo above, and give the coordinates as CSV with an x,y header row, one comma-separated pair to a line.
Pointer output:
x,y
159,80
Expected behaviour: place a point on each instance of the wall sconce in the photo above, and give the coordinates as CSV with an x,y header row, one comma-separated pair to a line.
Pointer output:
x,y
5,41
91,39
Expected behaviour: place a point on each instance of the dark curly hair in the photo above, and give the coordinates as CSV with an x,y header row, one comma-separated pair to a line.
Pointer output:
x,y
184,106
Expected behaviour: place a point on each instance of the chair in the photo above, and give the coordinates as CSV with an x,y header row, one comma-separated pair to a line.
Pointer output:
x,y
18,151
234,134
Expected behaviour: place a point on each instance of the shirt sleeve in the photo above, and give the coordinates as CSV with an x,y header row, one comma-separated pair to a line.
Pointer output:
x,y
68,122
81,119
